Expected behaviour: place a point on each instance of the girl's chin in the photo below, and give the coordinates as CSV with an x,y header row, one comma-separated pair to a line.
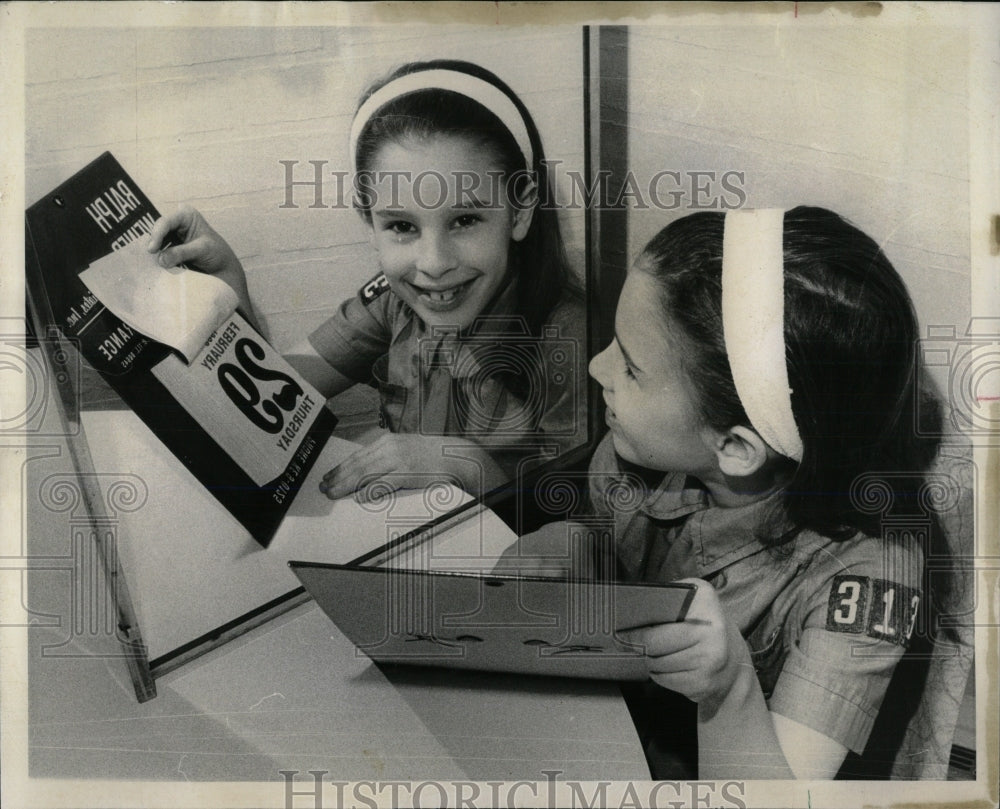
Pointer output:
x,y
623,447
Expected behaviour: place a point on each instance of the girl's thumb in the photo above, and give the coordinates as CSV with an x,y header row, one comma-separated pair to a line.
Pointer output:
x,y
168,258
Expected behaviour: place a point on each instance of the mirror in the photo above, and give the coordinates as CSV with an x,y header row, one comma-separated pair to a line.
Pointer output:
x,y
251,127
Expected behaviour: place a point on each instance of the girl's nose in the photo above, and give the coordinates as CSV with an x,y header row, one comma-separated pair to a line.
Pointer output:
x,y
599,368
435,257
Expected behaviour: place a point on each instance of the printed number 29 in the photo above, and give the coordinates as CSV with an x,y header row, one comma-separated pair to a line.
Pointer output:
x,y
238,383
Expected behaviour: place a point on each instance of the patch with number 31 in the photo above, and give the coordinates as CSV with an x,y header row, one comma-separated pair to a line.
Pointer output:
x,y
878,608
370,292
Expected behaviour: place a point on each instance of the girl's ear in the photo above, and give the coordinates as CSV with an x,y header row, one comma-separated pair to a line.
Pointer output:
x,y
740,452
524,210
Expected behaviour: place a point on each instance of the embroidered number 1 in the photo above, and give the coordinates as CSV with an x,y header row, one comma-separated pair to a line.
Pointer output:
x,y
885,626
894,611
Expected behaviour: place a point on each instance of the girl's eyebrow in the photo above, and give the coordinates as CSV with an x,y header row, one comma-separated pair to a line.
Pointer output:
x,y
391,213
625,353
473,202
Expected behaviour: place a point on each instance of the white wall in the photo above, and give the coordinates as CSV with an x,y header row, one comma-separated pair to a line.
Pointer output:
x,y
204,115
871,122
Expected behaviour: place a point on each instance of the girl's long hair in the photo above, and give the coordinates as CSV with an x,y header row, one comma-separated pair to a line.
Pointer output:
x,y
850,338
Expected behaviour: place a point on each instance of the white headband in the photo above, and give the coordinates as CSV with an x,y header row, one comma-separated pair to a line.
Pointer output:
x,y
753,322
491,97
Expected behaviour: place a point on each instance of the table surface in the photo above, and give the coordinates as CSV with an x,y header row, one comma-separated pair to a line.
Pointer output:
x,y
293,694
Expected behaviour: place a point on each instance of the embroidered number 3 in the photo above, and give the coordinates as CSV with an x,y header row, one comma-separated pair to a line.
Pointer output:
x,y
848,600
847,612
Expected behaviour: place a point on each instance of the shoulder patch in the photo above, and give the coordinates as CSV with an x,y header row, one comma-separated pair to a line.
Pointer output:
x,y
373,289
880,609
847,604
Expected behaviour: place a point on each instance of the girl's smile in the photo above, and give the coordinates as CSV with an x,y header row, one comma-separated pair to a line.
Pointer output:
x,y
442,299
442,226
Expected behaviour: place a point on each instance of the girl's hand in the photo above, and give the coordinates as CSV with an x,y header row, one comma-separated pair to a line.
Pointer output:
x,y
201,248
545,552
406,461
559,549
198,245
699,657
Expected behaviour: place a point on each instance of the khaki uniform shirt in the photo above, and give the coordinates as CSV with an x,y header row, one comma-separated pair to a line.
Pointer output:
x,y
440,382
825,621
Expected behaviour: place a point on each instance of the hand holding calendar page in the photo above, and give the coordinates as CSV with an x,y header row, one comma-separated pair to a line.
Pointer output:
x,y
241,420
176,306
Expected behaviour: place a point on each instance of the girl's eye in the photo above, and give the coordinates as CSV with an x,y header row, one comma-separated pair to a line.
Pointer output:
x,y
629,373
467,220
400,227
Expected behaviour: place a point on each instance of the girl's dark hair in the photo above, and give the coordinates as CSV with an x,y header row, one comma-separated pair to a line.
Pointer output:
x,y
538,261
850,336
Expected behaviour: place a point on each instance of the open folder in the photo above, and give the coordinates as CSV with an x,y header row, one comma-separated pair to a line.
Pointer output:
x,y
530,625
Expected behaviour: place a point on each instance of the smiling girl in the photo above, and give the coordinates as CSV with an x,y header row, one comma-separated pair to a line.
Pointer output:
x,y
473,295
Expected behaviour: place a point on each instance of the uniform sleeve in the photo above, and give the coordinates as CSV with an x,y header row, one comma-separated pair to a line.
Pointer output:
x,y
359,333
559,414
856,617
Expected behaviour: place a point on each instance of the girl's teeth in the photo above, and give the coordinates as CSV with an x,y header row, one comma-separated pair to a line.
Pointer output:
x,y
442,297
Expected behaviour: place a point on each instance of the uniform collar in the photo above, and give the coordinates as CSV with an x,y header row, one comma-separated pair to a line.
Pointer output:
x,y
718,535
